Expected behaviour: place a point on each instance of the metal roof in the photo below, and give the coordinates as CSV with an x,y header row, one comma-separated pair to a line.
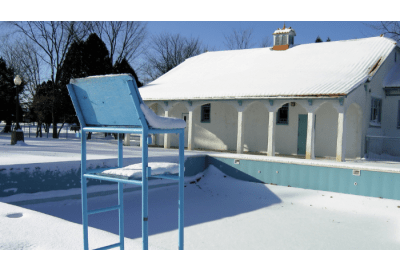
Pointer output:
x,y
317,69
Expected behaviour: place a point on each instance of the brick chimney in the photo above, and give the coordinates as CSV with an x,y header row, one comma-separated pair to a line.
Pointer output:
x,y
283,38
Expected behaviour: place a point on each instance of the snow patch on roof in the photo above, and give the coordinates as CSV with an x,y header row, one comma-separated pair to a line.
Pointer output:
x,y
284,31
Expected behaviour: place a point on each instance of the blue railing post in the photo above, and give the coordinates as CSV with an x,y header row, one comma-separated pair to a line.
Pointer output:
x,y
84,192
144,190
121,214
121,194
181,187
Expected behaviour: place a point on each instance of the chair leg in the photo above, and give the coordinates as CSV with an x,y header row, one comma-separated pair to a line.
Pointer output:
x,y
144,191
181,187
84,193
121,214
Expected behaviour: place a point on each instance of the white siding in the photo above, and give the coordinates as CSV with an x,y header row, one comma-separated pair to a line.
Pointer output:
x,y
255,129
220,133
326,130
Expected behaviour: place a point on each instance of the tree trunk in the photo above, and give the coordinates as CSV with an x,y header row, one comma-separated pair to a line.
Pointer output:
x,y
7,128
39,130
54,125
58,134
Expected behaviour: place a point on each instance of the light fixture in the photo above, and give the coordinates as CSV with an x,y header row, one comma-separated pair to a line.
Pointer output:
x,y
17,80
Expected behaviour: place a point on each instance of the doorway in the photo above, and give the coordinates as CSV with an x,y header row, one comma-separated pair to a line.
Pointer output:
x,y
302,134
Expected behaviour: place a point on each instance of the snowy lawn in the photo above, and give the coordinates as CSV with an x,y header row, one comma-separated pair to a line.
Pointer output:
x,y
221,213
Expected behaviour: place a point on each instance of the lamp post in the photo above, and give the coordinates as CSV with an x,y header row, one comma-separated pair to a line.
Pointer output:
x,y
17,82
17,134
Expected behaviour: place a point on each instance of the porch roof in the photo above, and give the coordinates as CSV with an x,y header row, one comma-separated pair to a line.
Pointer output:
x,y
323,69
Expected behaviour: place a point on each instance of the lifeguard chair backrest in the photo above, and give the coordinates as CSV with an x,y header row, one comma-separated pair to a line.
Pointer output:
x,y
109,100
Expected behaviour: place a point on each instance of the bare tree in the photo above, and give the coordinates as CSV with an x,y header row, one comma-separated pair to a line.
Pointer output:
x,y
266,42
123,39
168,51
53,39
240,39
392,29
22,56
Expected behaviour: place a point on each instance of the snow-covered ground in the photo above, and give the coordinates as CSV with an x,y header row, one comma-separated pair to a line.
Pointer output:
x,y
221,213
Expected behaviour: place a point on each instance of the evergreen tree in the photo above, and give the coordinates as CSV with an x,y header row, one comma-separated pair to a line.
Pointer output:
x,y
73,67
124,67
89,58
83,59
328,39
42,105
96,57
7,96
318,40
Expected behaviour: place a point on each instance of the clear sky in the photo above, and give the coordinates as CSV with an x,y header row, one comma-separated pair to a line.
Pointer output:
x,y
212,33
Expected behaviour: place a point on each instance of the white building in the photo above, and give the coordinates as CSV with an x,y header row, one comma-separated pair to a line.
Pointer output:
x,y
319,99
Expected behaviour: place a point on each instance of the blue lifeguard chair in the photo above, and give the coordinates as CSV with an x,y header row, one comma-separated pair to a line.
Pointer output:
x,y
112,104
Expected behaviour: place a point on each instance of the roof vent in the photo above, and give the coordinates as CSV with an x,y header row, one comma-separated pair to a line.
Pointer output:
x,y
283,38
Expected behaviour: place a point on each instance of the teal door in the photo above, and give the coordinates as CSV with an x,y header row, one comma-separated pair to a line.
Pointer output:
x,y
302,135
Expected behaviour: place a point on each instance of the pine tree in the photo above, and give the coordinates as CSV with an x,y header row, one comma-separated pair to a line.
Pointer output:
x,y
96,57
318,40
124,67
83,59
7,96
328,39
41,104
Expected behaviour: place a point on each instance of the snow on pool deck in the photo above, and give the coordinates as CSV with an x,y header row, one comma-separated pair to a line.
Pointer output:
x,y
220,212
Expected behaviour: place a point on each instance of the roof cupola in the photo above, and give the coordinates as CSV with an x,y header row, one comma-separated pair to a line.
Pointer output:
x,y
283,38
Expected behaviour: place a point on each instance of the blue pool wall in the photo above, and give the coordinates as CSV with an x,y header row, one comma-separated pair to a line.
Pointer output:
x,y
17,179
368,183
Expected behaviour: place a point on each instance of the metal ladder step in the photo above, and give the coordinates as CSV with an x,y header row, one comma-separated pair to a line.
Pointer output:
x,y
109,247
101,210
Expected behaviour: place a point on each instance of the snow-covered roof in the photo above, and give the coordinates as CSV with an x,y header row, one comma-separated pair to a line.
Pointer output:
x,y
317,69
284,31
393,77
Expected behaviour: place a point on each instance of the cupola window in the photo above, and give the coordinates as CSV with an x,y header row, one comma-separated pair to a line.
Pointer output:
x,y
283,38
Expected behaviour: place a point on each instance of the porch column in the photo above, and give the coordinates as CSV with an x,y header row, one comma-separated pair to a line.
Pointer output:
x,y
310,136
190,131
167,138
127,139
341,138
271,133
239,145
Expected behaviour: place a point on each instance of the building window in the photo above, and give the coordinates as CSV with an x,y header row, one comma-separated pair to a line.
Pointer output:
x,y
376,111
284,40
282,117
206,113
278,40
398,115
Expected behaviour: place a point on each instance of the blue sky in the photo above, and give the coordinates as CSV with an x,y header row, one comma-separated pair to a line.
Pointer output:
x,y
212,33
